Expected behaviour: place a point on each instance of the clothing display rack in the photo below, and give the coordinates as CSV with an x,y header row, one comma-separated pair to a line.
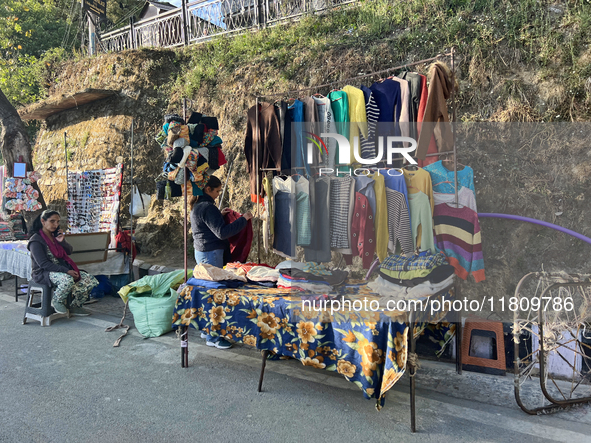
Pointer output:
x,y
411,366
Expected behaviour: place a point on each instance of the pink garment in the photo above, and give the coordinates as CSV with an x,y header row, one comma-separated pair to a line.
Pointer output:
x,y
58,252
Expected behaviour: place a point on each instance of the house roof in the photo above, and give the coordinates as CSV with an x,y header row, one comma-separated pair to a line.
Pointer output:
x,y
54,105
163,5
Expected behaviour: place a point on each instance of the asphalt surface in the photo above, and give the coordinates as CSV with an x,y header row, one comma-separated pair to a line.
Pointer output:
x,y
67,383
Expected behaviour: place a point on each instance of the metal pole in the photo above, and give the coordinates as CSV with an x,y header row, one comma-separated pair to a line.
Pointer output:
x,y
131,207
256,148
66,151
412,371
184,22
91,36
185,197
185,330
453,120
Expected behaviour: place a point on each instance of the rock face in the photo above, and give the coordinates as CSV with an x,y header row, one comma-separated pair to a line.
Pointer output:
x,y
161,231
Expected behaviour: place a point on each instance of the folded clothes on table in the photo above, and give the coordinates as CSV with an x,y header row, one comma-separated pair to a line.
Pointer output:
x,y
336,277
391,290
208,272
215,284
414,278
263,274
298,285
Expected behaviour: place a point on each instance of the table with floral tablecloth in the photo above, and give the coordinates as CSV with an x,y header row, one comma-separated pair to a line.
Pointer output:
x,y
369,348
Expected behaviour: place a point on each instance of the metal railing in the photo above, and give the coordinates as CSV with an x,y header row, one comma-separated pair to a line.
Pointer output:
x,y
200,20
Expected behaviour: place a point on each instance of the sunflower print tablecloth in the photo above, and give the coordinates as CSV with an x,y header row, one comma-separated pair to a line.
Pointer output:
x,y
368,348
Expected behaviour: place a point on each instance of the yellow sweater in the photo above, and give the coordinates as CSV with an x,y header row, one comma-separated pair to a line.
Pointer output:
x,y
357,115
381,221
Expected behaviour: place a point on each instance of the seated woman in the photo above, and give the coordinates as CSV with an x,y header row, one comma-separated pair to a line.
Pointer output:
x,y
209,234
53,267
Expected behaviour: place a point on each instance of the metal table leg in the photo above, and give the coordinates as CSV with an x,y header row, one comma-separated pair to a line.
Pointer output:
x,y
185,347
265,355
410,363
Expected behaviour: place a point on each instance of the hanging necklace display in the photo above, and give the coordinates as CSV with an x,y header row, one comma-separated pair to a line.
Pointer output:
x,y
94,198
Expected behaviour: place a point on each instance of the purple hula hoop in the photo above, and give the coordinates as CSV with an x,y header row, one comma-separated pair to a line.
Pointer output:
x,y
536,222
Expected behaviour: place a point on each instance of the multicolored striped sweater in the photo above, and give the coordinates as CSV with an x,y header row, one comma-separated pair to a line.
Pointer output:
x,y
457,233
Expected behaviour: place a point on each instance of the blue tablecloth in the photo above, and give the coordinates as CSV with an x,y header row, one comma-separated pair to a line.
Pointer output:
x,y
367,348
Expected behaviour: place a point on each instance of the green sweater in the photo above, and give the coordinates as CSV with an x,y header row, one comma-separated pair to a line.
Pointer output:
x,y
420,214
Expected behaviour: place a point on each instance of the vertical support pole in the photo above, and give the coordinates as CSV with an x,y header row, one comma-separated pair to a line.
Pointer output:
x,y
131,32
185,199
455,154
66,152
459,332
131,204
184,23
185,330
91,36
257,148
453,121
412,372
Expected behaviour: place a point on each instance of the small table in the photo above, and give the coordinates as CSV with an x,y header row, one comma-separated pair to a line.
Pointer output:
x,y
15,258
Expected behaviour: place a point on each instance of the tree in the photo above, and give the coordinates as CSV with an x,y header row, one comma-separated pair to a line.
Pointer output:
x,y
14,140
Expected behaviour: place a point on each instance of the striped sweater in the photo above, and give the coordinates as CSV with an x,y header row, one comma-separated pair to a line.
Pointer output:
x,y
398,222
457,233
372,112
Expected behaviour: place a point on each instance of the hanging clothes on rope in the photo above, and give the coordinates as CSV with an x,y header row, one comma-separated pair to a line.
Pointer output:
x,y
262,147
342,202
457,231
436,119
319,248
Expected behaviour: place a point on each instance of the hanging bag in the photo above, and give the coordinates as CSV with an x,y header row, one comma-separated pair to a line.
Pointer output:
x,y
141,203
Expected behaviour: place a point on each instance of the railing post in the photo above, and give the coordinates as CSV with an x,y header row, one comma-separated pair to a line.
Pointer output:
x,y
131,32
265,13
184,22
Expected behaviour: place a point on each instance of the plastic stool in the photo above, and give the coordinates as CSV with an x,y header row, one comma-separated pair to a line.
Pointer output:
x,y
483,328
42,312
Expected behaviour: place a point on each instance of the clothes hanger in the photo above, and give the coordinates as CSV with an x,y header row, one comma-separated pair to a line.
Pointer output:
x,y
445,163
410,167
318,94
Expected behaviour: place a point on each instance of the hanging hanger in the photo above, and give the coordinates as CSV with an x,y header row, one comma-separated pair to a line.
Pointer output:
x,y
410,167
446,161
318,94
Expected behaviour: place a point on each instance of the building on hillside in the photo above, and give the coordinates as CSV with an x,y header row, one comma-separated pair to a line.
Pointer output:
x,y
152,29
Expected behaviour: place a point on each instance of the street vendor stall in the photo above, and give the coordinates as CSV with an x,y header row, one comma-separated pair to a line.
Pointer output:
x,y
414,219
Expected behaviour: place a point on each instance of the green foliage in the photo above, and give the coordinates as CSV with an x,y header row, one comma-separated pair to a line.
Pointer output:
x,y
31,32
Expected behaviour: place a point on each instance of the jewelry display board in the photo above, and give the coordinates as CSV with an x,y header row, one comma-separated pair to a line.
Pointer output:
x,y
93,200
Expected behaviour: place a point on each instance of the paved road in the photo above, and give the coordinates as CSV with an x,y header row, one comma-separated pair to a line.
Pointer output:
x,y
66,383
